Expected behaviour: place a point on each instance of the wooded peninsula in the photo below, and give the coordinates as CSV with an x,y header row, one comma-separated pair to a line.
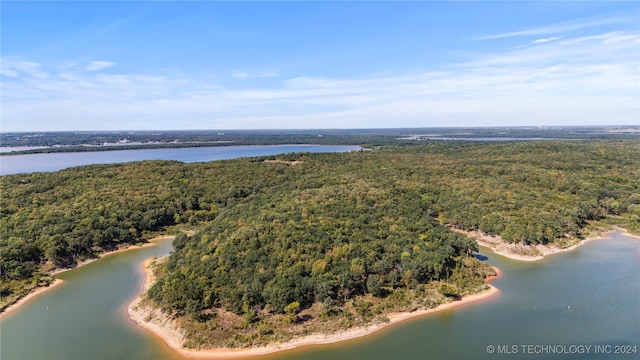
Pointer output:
x,y
285,246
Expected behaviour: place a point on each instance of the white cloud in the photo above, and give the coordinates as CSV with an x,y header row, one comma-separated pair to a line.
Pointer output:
x,y
545,40
7,71
98,65
16,68
562,27
608,47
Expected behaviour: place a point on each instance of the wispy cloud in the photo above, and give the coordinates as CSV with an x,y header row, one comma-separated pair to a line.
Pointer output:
x,y
16,68
98,65
545,40
610,47
560,28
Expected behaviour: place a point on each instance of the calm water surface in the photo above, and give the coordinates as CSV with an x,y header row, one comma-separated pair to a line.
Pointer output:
x,y
587,297
14,164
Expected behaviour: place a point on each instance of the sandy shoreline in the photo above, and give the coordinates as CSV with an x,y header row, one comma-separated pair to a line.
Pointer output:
x,y
22,301
537,252
165,329
40,290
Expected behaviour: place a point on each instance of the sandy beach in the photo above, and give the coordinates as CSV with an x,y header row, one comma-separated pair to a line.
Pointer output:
x,y
166,330
533,252
40,290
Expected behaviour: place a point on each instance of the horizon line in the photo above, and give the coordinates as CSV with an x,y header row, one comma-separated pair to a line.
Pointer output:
x,y
331,129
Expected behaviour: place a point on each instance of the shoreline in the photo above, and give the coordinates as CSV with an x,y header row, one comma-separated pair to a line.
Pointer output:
x,y
515,251
623,231
56,282
30,296
153,321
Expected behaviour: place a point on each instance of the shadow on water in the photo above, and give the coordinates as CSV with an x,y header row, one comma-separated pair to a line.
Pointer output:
x,y
480,257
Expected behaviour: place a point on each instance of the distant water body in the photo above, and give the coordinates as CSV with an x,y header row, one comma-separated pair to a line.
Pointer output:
x,y
16,164
481,139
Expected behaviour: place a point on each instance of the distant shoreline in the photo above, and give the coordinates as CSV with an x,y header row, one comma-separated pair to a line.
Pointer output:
x,y
40,290
154,321
518,252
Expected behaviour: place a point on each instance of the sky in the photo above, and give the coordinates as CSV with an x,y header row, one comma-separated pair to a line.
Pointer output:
x,y
163,65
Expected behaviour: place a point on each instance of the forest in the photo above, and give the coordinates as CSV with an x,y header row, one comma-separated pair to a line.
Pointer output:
x,y
343,237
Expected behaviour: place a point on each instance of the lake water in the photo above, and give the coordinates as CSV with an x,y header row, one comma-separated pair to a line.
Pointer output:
x,y
584,303
85,317
14,164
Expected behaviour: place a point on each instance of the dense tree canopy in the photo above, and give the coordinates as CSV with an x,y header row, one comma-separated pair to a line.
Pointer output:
x,y
328,227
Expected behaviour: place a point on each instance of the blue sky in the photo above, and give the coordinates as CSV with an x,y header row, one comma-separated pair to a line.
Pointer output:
x,y
120,65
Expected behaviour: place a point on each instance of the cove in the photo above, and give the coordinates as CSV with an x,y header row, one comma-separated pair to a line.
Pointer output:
x,y
589,296
85,317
